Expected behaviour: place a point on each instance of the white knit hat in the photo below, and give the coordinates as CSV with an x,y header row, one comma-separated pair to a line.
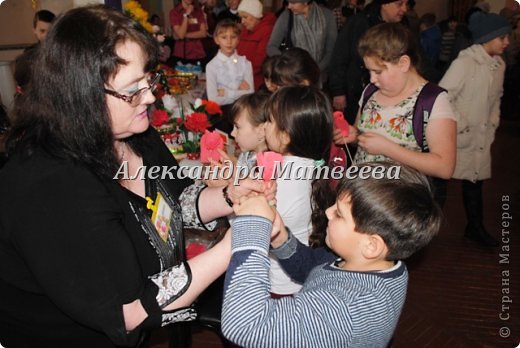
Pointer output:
x,y
253,7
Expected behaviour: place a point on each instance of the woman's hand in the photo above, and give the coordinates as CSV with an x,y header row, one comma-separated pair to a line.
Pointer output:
x,y
224,157
375,144
247,187
217,181
225,161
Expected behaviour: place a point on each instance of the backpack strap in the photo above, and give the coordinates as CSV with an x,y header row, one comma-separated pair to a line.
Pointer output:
x,y
290,24
367,93
422,110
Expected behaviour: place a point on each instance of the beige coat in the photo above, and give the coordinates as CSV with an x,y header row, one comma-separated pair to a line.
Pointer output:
x,y
474,82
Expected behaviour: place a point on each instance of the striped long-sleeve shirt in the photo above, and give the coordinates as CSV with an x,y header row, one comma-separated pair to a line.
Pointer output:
x,y
335,308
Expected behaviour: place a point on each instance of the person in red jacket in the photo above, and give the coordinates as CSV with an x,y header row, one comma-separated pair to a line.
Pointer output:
x,y
256,31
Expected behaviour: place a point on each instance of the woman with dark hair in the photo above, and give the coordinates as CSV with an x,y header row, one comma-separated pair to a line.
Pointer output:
x,y
83,261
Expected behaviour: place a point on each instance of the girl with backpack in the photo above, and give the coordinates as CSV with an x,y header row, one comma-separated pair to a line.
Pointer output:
x,y
394,121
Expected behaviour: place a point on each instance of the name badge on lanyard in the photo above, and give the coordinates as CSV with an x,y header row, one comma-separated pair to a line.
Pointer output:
x,y
161,216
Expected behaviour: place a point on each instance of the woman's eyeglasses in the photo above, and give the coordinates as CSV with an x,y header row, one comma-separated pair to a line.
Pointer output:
x,y
135,98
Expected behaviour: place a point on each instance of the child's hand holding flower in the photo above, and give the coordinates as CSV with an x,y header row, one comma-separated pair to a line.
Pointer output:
x,y
344,133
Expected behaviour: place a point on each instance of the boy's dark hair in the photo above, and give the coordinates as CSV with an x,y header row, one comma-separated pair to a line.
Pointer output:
x,y
226,24
254,103
65,115
293,67
305,114
402,211
43,16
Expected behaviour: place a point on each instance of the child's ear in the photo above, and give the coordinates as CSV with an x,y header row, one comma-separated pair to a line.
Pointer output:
x,y
285,138
260,130
374,247
404,63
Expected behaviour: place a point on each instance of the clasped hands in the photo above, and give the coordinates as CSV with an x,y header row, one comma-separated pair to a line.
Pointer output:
x,y
259,205
244,86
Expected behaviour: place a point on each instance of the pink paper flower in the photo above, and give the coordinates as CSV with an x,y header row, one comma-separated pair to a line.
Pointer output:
x,y
268,161
210,142
341,124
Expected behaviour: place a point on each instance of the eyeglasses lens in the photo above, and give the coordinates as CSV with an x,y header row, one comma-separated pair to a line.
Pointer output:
x,y
152,85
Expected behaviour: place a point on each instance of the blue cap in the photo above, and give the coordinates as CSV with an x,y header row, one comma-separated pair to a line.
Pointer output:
x,y
485,27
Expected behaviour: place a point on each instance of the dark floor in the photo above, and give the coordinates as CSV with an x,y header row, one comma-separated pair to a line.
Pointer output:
x,y
459,293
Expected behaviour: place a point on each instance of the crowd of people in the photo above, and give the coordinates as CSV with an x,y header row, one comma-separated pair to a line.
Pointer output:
x,y
308,261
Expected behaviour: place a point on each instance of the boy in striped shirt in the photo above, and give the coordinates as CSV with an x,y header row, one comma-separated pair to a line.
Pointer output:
x,y
352,293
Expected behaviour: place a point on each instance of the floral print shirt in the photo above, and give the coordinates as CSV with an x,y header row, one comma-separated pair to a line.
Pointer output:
x,y
393,122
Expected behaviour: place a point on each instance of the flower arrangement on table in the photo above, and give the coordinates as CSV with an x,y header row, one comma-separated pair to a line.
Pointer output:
x,y
182,128
173,82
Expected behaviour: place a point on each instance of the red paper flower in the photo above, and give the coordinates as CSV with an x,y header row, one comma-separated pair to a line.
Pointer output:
x,y
212,108
194,249
159,117
341,124
197,122
210,143
268,161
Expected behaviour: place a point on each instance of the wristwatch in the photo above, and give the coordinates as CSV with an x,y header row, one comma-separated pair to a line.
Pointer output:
x,y
185,15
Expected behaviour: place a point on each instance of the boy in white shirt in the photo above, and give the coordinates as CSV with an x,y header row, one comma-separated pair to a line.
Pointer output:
x,y
228,75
